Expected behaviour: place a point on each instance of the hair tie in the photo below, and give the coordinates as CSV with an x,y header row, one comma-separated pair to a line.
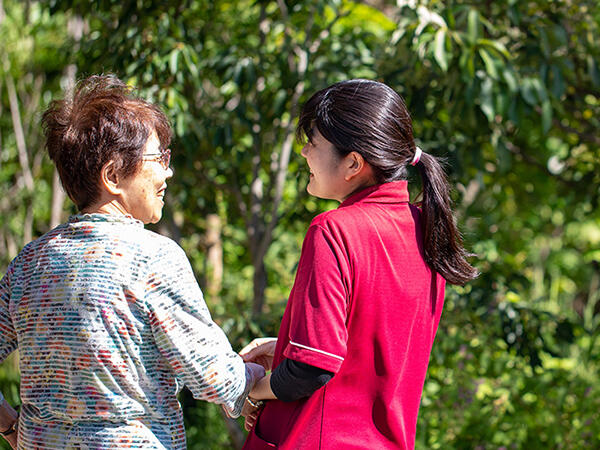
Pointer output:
x,y
417,156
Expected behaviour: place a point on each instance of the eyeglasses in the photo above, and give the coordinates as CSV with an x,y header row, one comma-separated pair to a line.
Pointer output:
x,y
164,157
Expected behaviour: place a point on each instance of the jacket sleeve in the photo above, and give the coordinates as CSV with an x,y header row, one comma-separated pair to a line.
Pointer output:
x,y
195,347
319,303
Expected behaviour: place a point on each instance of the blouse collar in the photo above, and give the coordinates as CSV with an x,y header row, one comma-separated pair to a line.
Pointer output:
x,y
109,218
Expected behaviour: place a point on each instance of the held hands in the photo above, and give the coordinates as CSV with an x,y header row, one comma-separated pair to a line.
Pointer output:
x,y
256,372
260,351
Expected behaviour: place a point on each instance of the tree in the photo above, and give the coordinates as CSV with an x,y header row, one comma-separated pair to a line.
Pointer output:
x,y
31,66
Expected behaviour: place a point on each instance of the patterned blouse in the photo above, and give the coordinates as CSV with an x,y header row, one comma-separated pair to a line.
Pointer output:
x,y
110,324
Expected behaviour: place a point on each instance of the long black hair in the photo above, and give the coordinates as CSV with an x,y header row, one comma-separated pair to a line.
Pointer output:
x,y
371,119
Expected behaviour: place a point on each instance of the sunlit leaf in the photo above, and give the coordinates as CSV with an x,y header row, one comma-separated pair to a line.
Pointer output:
x,y
440,49
490,63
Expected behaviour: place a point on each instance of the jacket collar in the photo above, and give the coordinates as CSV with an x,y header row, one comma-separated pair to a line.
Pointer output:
x,y
392,192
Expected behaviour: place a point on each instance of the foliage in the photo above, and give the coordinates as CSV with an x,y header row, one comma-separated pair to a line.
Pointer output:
x,y
506,91
31,65
480,393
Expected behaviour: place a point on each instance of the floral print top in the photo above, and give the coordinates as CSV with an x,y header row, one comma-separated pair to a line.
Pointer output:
x,y
110,323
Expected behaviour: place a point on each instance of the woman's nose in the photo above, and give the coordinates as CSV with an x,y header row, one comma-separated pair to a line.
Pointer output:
x,y
169,172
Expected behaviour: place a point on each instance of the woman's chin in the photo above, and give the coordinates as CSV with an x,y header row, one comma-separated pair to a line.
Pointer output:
x,y
156,218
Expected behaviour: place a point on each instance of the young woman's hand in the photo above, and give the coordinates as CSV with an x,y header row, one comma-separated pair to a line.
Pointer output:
x,y
260,351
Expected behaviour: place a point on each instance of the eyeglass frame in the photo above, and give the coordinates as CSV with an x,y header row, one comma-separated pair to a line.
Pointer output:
x,y
164,158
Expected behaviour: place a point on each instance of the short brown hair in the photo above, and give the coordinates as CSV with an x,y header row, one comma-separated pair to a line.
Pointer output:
x,y
102,121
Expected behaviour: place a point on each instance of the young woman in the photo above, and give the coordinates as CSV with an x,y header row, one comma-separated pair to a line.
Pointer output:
x,y
354,344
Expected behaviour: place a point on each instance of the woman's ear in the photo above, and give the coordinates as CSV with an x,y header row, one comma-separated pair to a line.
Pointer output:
x,y
109,178
354,163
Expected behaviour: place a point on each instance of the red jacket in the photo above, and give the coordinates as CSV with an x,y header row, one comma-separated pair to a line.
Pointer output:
x,y
365,306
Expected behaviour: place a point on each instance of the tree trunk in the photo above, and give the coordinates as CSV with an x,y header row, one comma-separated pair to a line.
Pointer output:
x,y
214,255
235,432
214,282
28,226
19,134
260,284
58,200
11,246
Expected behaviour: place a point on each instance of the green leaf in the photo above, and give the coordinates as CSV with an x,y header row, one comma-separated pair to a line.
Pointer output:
x,y
490,63
487,103
494,45
467,64
593,71
473,25
511,80
544,43
546,116
558,82
440,54
279,102
191,65
528,91
173,61
540,89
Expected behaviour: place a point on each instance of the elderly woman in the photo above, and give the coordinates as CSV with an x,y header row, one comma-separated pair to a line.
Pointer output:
x,y
108,318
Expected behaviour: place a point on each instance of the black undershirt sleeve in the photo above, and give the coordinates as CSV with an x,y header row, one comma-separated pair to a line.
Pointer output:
x,y
292,380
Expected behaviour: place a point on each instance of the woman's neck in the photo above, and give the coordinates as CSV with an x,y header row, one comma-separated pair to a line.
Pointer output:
x,y
112,207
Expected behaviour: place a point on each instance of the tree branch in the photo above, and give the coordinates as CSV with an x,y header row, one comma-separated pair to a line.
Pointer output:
x,y
33,103
19,135
58,199
28,225
304,53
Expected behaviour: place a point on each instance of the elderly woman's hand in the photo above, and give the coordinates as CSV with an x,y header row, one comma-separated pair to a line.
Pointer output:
x,y
260,351
256,371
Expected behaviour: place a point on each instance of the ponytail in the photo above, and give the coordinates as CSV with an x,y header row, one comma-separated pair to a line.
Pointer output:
x,y
442,241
